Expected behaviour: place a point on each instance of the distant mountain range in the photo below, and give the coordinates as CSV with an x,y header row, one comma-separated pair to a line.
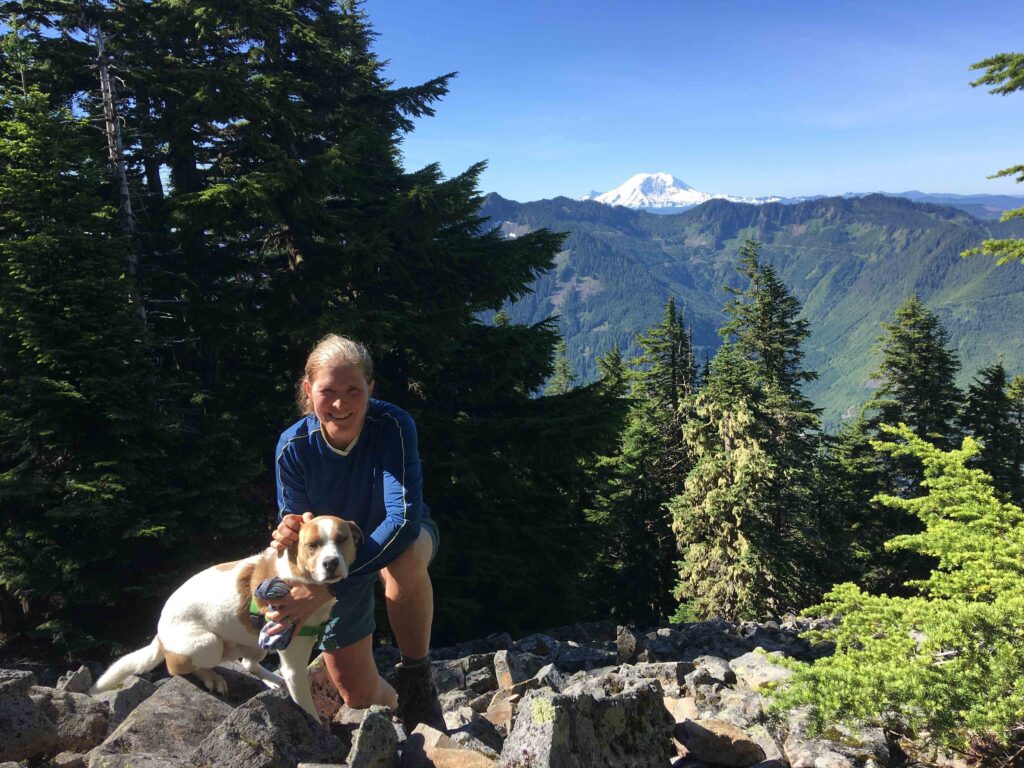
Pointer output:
x,y
850,260
664,193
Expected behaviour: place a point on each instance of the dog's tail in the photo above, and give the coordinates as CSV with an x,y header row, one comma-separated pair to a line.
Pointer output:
x,y
134,663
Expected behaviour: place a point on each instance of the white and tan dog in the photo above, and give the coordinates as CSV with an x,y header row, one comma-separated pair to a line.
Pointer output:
x,y
206,620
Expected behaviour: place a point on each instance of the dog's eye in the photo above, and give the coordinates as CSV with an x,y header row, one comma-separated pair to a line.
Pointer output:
x,y
314,545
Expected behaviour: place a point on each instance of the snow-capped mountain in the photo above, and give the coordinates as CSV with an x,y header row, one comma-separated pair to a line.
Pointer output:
x,y
663,190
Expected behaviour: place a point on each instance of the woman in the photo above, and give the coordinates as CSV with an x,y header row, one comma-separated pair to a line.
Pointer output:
x,y
356,457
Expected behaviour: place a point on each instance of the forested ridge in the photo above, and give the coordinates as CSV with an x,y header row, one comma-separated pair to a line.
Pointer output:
x,y
850,261
184,212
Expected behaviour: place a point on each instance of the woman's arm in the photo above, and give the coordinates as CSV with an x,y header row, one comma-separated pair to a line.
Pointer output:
x,y
403,496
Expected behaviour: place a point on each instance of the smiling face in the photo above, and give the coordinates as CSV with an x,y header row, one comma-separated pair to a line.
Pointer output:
x,y
339,396
326,548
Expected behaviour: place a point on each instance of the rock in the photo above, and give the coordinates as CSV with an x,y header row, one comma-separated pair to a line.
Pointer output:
x,y
573,658
122,701
27,731
767,742
136,760
610,721
456,699
548,676
539,644
756,670
628,643
326,696
268,730
448,675
242,686
717,669
740,707
479,734
483,701
460,758
79,681
420,743
681,709
68,760
375,742
839,747
481,680
716,741
458,718
170,723
502,709
81,721
511,667
671,674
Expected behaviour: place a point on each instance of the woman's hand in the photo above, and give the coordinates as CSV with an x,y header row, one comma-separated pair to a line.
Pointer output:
x,y
295,609
287,532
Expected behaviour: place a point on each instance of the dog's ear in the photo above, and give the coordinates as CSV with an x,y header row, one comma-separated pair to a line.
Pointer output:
x,y
357,533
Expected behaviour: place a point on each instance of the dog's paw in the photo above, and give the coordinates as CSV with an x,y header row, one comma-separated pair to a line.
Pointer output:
x,y
214,683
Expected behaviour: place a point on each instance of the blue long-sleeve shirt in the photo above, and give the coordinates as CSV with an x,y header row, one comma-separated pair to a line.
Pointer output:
x,y
377,482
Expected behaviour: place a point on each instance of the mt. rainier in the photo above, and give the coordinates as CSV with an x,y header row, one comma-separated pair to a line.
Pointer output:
x,y
664,191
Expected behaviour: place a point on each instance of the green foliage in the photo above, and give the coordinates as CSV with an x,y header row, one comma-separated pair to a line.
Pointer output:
x,y
562,379
1005,73
988,416
945,666
263,151
634,567
80,430
746,522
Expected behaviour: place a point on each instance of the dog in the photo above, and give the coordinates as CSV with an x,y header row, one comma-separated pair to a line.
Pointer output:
x,y
207,619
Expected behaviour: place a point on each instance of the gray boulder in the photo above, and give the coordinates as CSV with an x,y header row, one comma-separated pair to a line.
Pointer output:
x,y
539,644
81,721
168,724
123,701
719,742
79,681
574,658
268,731
27,732
606,722
136,760
511,667
757,670
628,644
375,742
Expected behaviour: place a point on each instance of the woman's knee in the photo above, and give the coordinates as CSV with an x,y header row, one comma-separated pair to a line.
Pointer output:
x,y
413,561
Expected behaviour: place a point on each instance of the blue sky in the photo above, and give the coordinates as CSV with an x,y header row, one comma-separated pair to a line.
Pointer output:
x,y
745,98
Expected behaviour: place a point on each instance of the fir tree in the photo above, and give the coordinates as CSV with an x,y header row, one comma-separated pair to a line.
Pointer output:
x,y
1005,73
88,517
562,379
917,375
988,417
944,665
746,523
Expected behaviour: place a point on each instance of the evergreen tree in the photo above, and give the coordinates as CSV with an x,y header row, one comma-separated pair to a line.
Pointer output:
x,y
636,561
1005,73
87,514
746,523
916,388
988,417
562,379
942,666
288,214
917,375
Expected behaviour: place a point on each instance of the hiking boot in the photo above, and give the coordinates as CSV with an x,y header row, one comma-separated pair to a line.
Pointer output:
x,y
417,698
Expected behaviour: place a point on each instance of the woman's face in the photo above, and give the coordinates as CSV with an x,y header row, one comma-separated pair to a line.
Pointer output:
x,y
339,396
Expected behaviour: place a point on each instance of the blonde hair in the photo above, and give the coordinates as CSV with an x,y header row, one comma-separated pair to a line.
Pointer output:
x,y
330,351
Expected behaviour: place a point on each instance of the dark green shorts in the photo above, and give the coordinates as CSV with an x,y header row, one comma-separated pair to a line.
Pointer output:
x,y
351,618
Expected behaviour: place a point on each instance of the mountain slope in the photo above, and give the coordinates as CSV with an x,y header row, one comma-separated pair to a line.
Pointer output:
x,y
851,261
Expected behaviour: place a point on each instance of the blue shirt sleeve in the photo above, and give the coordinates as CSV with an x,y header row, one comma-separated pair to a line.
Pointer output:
x,y
403,496
291,485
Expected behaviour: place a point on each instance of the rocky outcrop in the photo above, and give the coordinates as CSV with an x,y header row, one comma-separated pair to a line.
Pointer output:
x,y
588,695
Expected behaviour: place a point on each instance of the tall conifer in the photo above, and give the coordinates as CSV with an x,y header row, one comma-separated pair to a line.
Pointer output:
x,y
747,524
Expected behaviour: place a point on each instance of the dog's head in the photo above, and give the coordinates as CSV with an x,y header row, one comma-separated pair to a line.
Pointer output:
x,y
326,549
